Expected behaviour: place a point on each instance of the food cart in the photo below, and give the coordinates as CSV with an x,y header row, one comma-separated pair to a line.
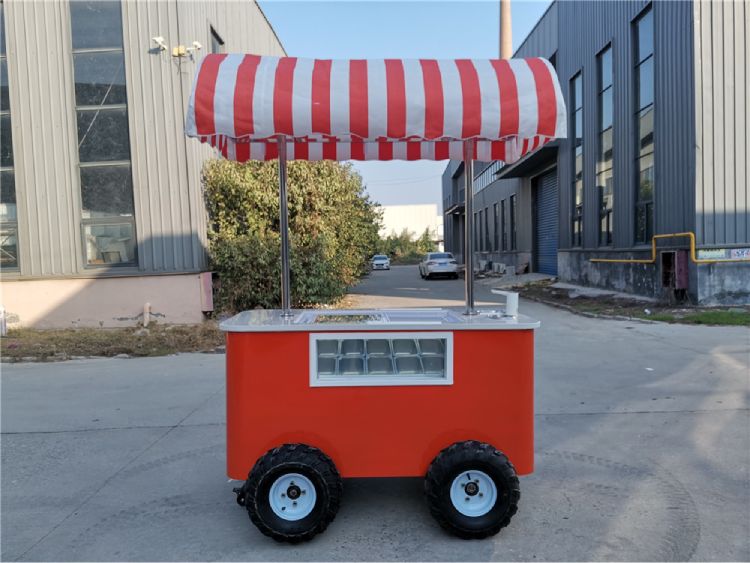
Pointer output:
x,y
314,396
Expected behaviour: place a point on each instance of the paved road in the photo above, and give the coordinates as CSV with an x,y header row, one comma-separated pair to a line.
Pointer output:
x,y
643,441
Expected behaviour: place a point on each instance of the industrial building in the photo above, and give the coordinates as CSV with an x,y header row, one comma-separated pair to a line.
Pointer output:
x,y
658,114
102,215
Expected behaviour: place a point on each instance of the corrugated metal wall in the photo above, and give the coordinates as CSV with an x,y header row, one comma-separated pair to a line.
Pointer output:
x,y
542,40
722,113
169,211
44,137
674,130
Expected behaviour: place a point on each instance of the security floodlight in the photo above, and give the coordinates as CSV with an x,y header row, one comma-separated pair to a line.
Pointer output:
x,y
160,43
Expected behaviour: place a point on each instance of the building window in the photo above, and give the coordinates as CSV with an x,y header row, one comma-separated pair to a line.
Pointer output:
x,y
604,165
644,126
513,205
480,236
108,224
504,225
576,139
486,176
487,245
217,43
496,231
8,218
476,232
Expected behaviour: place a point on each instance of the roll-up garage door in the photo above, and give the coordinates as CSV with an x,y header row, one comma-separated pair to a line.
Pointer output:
x,y
546,228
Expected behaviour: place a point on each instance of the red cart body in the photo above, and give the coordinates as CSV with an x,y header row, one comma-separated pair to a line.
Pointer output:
x,y
382,429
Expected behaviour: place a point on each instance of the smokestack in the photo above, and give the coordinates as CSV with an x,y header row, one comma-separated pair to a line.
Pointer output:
x,y
506,34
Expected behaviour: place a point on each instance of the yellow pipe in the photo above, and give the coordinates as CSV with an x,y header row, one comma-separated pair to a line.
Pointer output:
x,y
693,256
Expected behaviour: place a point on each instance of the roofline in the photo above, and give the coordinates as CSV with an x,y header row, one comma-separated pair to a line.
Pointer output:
x,y
262,13
533,29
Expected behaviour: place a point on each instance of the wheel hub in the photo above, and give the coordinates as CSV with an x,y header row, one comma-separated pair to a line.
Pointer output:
x,y
473,493
293,492
471,489
292,496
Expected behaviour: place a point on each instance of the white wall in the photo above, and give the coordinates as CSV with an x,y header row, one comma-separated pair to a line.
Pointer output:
x,y
415,218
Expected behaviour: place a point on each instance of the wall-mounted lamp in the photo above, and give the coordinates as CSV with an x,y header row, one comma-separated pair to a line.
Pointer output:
x,y
182,51
160,42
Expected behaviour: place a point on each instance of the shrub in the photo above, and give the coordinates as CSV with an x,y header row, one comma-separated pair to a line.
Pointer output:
x,y
333,230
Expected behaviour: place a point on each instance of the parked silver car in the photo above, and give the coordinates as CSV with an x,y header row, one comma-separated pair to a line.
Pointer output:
x,y
438,264
380,262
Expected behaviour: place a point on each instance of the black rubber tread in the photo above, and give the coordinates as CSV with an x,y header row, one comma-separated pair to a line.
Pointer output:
x,y
293,458
478,456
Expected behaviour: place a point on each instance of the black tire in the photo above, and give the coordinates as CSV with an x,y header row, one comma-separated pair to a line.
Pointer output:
x,y
311,463
455,276
465,457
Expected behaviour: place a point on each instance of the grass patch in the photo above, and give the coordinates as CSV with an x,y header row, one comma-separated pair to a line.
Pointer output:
x,y
706,317
157,340
733,318
608,305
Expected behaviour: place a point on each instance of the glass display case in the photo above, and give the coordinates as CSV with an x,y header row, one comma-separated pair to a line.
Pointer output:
x,y
378,358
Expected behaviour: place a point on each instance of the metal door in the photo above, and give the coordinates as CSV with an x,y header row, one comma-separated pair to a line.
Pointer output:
x,y
546,223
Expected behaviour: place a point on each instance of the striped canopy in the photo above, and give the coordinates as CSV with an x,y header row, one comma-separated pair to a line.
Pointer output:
x,y
388,109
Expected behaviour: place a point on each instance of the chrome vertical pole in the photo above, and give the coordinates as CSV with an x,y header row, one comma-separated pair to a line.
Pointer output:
x,y
284,230
469,226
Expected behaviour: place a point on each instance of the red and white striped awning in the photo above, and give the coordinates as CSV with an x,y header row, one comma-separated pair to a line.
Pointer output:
x,y
388,109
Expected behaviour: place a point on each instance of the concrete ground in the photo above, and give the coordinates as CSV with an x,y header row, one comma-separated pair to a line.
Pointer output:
x,y
643,453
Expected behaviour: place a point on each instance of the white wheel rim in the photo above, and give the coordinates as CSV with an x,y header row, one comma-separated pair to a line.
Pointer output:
x,y
292,496
473,493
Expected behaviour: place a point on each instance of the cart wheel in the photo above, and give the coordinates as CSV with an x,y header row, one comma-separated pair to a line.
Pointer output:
x,y
293,492
472,490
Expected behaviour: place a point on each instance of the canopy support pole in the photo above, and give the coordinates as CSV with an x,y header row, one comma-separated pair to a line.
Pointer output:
x,y
469,226
286,306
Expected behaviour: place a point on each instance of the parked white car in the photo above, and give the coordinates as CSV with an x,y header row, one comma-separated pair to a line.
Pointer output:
x,y
438,264
380,262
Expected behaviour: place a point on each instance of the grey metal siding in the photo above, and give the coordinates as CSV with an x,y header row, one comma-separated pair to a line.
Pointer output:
x,y
44,137
169,211
542,40
165,229
674,132
674,128
722,116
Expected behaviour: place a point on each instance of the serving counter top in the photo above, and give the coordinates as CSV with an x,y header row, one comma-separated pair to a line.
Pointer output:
x,y
314,320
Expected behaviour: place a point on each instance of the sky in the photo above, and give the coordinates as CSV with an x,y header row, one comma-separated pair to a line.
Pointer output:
x,y
354,29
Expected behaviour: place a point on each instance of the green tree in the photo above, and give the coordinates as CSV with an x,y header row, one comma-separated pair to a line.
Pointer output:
x,y
404,249
333,228
425,244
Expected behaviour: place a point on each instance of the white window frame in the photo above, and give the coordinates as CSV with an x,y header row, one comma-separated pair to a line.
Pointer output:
x,y
379,380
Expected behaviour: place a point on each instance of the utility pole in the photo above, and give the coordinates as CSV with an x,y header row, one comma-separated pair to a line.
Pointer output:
x,y
506,33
